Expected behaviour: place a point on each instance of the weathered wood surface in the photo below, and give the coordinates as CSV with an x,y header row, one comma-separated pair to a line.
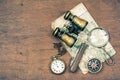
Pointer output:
x,y
26,43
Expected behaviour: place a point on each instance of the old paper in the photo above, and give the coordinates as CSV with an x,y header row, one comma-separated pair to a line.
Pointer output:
x,y
91,52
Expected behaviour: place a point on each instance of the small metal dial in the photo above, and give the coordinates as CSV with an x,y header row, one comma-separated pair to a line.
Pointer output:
x,y
57,66
94,65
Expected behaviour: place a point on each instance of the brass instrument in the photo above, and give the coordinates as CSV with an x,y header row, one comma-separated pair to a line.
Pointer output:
x,y
65,37
80,23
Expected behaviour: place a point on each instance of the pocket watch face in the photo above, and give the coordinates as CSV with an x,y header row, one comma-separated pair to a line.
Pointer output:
x,y
98,37
57,66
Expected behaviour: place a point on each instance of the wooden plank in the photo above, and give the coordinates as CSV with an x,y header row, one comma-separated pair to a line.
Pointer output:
x,y
26,43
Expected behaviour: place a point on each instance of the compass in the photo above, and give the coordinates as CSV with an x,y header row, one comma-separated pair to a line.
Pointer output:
x,y
57,65
94,65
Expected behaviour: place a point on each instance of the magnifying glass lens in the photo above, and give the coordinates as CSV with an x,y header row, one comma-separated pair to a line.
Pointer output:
x,y
98,37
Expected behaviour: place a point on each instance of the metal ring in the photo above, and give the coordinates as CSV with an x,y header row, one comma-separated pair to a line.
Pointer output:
x,y
111,61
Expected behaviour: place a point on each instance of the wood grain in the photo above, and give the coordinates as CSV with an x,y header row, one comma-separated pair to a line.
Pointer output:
x,y
26,42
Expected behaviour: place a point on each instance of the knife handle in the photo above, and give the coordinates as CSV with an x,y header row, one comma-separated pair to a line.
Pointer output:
x,y
77,58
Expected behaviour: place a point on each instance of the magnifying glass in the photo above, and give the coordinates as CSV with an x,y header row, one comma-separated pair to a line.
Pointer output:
x,y
99,37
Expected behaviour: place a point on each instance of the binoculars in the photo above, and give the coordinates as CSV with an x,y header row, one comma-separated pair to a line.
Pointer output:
x,y
76,25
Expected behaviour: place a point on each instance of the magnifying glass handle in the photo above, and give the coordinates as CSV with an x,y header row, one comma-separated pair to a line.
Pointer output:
x,y
110,61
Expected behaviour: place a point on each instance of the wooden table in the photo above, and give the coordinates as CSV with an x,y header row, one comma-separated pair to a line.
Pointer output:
x,y
26,41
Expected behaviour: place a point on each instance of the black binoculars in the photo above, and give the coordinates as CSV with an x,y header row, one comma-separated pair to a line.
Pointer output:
x,y
76,25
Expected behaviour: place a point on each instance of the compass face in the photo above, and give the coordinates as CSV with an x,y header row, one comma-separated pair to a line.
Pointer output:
x,y
98,37
94,65
57,66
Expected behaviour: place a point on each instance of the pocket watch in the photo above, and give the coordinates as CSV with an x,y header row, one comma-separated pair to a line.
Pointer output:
x,y
57,66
